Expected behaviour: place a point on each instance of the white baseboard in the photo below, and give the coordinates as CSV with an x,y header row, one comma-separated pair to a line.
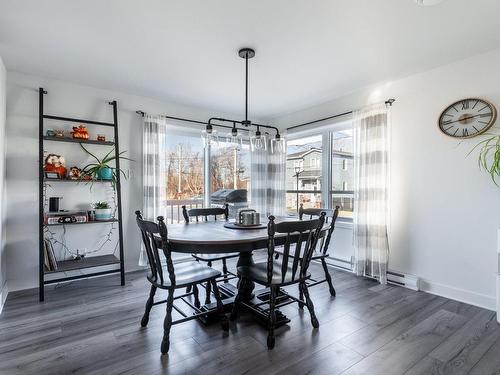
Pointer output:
x,y
461,295
415,283
3,295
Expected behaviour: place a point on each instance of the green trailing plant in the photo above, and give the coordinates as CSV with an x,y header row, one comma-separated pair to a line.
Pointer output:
x,y
95,169
489,156
101,205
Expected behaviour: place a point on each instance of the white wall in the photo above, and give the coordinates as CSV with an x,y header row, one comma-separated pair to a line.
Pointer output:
x,y
444,211
67,99
3,273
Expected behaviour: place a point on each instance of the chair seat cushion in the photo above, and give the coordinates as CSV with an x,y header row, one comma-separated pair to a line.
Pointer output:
x,y
258,272
315,255
186,273
214,257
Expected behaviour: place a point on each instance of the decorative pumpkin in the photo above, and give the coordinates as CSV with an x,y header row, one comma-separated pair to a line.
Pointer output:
x,y
80,132
55,163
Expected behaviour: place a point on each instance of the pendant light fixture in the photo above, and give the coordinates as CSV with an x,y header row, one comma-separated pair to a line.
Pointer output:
x,y
258,140
278,144
234,139
209,136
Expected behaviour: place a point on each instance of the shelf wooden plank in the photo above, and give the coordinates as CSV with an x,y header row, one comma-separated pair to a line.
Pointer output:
x,y
71,119
95,261
85,182
73,140
88,222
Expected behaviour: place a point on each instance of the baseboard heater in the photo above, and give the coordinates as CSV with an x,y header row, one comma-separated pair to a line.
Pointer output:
x,y
408,281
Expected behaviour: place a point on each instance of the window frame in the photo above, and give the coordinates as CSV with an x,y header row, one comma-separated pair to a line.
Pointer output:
x,y
326,133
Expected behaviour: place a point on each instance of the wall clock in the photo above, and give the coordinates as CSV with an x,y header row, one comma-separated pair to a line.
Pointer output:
x,y
467,118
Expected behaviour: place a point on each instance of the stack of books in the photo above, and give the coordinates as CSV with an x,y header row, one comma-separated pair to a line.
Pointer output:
x,y
49,256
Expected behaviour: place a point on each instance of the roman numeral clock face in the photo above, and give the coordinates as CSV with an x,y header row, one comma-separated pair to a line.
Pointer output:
x,y
467,118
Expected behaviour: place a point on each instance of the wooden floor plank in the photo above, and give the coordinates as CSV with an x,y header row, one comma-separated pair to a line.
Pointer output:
x,y
427,366
378,334
489,364
330,361
400,354
462,350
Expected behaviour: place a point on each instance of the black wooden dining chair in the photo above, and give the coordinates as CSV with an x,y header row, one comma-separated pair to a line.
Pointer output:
x,y
206,214
321,253
171,278
291,270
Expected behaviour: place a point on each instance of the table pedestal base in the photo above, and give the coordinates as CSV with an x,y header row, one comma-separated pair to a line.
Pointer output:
x,y
254,305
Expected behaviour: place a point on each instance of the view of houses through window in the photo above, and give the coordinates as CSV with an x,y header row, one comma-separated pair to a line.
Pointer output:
x,y
307,180
303,172
342,173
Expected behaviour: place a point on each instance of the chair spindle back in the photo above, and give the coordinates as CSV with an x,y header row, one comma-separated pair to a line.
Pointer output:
x,y
308,231
330,218
150,231
205,213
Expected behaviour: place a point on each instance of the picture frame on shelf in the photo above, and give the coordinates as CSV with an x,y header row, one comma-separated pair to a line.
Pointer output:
x,y
51,175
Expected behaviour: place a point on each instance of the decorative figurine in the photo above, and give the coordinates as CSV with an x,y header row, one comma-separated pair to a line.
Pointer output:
x,y
55,163
51,133
75,173
80,132
101,138
59,133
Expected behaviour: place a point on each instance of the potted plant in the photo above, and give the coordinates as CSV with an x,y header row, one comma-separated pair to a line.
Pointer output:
x,y
101,170
103,211
489,160
489,156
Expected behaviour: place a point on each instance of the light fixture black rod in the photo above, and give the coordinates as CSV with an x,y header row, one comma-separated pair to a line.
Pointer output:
x,y
142,113
387,102
241,123
246,87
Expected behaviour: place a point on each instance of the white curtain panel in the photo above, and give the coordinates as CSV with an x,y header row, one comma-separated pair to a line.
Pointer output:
x,y
153,171
267,176
371,180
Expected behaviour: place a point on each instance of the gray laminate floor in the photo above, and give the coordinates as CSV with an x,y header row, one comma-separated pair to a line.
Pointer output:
x,y
92,327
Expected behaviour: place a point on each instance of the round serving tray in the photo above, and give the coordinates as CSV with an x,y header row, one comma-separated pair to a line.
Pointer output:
x,y
239,226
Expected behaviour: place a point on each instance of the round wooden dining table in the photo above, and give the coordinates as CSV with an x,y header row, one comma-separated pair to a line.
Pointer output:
x,y
212,237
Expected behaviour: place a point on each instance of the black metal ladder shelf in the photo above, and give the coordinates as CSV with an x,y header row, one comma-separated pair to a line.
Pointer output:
x,y
89,262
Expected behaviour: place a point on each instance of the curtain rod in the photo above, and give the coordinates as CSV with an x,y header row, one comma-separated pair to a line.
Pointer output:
x,y
142,113
387,102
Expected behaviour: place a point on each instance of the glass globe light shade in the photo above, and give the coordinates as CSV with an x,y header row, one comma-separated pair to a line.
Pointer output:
x,y
209,137
278,145
258,141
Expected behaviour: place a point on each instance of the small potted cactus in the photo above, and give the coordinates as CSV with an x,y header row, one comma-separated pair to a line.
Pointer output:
x,y
103,211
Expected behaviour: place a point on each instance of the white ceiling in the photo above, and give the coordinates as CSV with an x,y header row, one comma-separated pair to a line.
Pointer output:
x,y
185,51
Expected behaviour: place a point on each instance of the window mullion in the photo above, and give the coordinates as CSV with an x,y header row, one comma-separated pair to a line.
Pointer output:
x,y
326,170
206,177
